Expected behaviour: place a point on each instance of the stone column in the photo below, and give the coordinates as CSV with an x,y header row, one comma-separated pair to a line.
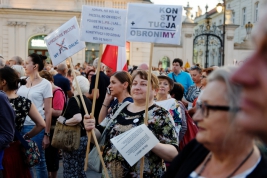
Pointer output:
x,y
229,43
187,42
12,38
21,42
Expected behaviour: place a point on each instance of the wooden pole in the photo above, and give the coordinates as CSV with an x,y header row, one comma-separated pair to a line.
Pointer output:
x,y
92,115
147,102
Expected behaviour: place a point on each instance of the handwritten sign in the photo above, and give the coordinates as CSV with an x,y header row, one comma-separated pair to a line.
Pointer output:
x,y
64,41
135,143
154,23
103,25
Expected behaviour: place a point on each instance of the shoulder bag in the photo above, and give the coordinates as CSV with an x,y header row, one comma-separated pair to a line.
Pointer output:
x,y
29,150
94,162
67,137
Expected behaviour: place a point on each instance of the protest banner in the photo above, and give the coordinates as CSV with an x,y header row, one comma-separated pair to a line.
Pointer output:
x,y
103,25
64,41
154,23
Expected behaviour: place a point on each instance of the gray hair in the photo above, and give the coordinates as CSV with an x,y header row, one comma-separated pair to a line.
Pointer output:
x,y
18,60
232,90
96,62
2,61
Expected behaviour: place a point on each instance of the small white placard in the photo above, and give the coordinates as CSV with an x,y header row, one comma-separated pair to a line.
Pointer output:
x,y
154,23
135,143
64,41
103,25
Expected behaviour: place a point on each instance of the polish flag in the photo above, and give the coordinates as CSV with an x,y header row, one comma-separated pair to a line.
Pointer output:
x,y
115,58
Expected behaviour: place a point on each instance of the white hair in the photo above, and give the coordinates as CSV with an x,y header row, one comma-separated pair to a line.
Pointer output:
x,y
96,62
83,83
19,69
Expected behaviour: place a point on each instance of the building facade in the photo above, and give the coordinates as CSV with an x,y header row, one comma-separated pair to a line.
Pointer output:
x,y
239,13
25,23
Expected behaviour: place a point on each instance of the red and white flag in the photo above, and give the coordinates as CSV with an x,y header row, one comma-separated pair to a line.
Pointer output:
x,y
115,58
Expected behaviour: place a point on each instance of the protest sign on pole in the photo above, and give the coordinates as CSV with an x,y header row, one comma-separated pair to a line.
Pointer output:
x,y
154,23
103,25
64,41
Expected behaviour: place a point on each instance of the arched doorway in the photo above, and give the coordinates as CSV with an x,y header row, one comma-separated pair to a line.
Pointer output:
x,y
165,62
37,45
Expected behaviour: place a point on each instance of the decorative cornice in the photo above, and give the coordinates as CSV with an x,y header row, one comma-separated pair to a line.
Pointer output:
x,y
21,24
11,23
188,35
230,38
43,29
14,23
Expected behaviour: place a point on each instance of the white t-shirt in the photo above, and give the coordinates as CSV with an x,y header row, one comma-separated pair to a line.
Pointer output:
x,y
36,94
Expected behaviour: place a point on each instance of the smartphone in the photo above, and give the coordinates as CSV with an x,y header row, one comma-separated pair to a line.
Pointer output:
x,y
108,91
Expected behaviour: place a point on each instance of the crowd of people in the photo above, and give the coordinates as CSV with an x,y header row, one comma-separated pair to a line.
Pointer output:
x,y
227,104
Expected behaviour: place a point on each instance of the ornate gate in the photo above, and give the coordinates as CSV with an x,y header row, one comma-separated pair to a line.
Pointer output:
x,y
208,45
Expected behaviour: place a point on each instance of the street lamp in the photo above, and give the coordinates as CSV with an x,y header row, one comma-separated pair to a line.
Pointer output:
x,y
222,7
219,7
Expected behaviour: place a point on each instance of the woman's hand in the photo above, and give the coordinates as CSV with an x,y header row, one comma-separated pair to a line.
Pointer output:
x,y
89,122
61,119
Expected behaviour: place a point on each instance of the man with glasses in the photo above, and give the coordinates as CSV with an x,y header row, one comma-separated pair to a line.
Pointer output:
x,y
179,76
252,76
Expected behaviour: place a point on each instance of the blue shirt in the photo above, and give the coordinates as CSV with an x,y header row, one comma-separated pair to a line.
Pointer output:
x,y
62,82
183,78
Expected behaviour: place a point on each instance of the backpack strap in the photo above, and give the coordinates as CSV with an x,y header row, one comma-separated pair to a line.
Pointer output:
x,y
122,106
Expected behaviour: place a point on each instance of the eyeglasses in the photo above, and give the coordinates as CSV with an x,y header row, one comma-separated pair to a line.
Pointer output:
x,y
204,107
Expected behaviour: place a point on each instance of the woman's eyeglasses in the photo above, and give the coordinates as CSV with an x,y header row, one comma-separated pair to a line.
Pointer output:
x,y
204,107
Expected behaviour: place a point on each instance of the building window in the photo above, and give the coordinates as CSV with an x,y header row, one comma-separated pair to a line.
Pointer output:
x,y
256,11
244,16
91,52
233,17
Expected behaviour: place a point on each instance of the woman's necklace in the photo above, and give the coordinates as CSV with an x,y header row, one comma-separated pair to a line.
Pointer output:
x,y
236,169
31,86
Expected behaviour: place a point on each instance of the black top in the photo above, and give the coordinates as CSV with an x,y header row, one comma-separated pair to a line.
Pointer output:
x,y
102,86
194,154
21,106
73,108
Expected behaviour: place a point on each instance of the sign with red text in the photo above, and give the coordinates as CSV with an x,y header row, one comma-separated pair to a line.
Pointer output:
x,y
103,25
154,23
64,41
